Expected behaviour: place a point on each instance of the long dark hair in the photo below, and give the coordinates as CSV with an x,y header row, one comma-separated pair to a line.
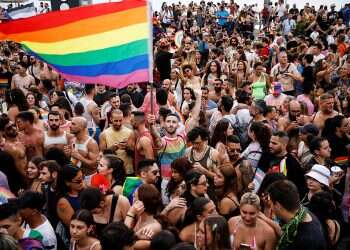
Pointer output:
x,y
181,165
322,205
262,134
219,132
67,174
16,97
220,233
331,124
230,182
207,71
197,208
117,165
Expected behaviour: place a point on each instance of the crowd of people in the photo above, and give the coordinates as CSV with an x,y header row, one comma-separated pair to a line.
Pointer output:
x,y
241,142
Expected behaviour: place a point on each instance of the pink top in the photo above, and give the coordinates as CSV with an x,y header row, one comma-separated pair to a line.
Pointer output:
x,y
308,103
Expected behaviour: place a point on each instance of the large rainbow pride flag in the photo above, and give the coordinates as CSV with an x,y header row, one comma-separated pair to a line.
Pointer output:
x,y
106,43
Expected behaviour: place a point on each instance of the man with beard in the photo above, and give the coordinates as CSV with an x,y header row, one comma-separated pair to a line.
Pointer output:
x,y
216,94
326,110
55,136
294,119
144,146
84,150
13,145
31,137
171,146
116,138
278,160
224,111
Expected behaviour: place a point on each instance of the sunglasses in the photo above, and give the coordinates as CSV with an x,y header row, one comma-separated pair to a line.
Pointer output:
x,y
77,181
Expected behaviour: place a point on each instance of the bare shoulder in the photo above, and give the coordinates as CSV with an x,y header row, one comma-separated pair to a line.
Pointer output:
x,y
232,223
266,228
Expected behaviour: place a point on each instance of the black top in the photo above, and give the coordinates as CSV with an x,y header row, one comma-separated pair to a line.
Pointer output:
x,y
101,98
310,236
162,60
295,173
309,79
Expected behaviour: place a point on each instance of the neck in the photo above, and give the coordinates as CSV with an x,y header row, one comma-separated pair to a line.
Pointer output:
x,y
19,233
29,129
81,136
288,216
338,133
141,128
282,154
35,220
83,242
321,160
173,135
23,74
57,132
194,194
73,193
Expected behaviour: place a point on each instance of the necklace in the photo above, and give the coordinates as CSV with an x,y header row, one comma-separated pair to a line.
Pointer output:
x,y
199,157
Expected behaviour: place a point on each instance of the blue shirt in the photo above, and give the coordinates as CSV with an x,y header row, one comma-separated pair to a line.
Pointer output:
x,y
222,15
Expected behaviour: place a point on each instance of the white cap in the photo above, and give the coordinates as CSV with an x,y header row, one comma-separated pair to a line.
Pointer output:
x,y
320,173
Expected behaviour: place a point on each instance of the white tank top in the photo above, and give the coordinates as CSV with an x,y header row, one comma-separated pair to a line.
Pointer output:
x,y
55,140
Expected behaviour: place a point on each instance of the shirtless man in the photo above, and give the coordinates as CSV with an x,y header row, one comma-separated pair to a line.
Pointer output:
x,y
84,149
55,136
326,110
249,230
13,146
143,142
32,138
294,119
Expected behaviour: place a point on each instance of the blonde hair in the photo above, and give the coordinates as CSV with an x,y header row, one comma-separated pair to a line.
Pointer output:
x,y
250,199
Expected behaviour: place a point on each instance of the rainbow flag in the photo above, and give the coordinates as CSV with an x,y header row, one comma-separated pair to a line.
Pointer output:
x,y
106,43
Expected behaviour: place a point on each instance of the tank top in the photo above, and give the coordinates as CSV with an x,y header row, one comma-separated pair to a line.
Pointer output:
x,y
81,147
259,88
85,102
73,245
55,140
206,160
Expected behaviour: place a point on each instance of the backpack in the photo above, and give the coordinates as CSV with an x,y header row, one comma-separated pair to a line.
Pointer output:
x,y
242,132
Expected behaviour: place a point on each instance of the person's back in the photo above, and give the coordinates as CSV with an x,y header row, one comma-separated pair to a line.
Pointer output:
x,y
309,236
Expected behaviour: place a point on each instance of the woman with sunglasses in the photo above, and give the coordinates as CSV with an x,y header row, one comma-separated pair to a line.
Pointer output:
x,y
69,185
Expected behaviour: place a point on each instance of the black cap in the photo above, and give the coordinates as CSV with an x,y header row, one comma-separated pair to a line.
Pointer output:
x,y
310,129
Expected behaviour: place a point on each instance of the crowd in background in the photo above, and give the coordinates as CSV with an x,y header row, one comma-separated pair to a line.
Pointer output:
x,y
241,142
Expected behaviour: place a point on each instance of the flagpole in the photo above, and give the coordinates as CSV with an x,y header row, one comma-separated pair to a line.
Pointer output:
x,y
150,51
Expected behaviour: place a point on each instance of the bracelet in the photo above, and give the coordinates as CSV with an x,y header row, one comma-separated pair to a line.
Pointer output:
x,y
131,216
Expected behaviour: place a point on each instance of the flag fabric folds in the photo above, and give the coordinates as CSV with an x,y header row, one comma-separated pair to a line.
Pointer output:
x,y
104,43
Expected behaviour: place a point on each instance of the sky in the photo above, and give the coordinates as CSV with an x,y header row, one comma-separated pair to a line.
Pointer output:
x,y
156,4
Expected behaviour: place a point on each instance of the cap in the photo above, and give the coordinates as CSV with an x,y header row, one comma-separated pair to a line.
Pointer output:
x,y
277,88
310,129
320,173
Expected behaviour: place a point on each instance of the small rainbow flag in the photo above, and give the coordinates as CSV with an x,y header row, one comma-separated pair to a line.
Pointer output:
x,y
107,43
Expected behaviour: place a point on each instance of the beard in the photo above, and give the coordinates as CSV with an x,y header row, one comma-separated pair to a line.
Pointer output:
x,y
54,127
217,89
170,131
